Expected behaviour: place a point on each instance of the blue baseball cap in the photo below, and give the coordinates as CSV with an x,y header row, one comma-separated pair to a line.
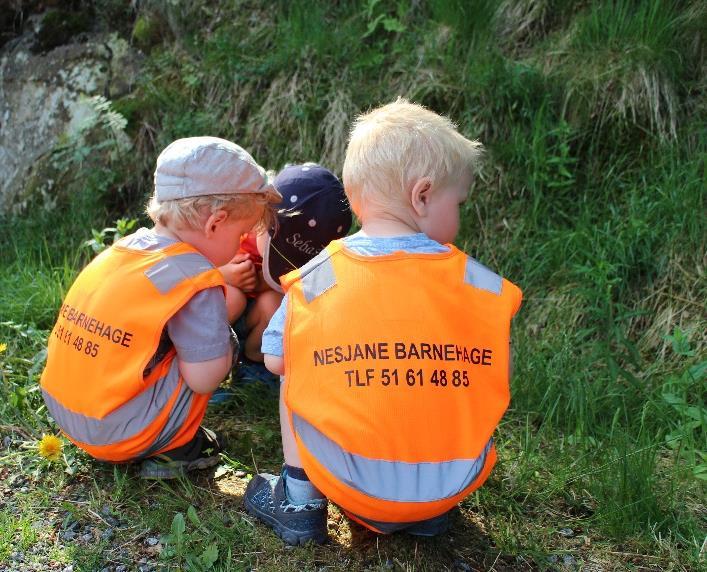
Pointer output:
x,y
313,212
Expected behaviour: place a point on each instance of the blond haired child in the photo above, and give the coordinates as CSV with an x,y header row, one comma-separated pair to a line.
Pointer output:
x,y
394,345
143,335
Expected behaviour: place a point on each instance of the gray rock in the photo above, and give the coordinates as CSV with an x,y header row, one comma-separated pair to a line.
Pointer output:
x,y
569,561
88,537
42,98
68,535
152,541
566,532
69,568
107,534
461,565
121,568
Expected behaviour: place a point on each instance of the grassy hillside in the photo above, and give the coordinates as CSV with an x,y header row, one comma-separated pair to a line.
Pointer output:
x,y
592,199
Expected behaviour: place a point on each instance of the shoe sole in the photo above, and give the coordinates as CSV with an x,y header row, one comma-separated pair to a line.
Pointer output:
x,y
181,468
291,537
221,399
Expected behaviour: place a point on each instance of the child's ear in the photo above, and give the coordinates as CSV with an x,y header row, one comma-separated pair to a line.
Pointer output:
x,y
420,195
214,221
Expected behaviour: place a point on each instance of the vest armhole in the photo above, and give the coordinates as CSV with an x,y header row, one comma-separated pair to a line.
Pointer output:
x,y
517,298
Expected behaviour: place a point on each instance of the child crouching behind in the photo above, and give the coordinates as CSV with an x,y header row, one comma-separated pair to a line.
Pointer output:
x,y
313,212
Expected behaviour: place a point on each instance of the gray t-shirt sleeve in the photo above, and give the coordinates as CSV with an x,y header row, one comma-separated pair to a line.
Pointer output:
x,y
272,343
200,330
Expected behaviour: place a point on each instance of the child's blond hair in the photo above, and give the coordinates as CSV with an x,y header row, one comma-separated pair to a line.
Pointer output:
x,y
398,143
190,213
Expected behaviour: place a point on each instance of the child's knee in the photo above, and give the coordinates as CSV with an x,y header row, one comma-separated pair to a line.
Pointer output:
x,y
266,304
269,302
236,302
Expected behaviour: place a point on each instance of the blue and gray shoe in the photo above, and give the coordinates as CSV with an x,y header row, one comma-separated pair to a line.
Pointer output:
x,y
249,372
265,498
222,395
246,373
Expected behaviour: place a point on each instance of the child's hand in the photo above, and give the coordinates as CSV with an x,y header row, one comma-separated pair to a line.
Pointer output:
x,y
240,272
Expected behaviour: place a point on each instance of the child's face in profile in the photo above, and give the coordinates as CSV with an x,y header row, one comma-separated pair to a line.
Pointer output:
x,y
260,241
226,237
442,220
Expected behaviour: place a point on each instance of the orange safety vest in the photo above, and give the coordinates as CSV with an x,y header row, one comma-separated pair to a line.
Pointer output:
x,y
396,373
107,331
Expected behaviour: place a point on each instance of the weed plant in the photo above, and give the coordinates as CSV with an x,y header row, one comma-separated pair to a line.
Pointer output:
x,y
591,198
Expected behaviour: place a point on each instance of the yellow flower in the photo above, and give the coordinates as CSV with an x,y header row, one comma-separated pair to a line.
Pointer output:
x,y
50,447
3,347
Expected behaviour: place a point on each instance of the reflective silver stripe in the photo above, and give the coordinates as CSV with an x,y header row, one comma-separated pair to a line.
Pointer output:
x,y
130,419
317,276
391,480
177,416
167,273
479,276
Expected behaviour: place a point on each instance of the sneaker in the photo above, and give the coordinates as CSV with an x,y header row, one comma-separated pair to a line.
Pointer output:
x,y
249,371
221,395
265,499
244,373
201,452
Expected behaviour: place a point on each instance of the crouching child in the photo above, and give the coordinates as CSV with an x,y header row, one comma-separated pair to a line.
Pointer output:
x,y
143,336
394,345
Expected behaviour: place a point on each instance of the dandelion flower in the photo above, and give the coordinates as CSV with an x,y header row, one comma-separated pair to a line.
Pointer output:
x,y
3,347
50,447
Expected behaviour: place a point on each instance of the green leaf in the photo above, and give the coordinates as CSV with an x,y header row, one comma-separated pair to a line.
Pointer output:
x,y
393,25
697,413
680,343
209,556
372,25
193,517
674,400
700,472
178,526
698,371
